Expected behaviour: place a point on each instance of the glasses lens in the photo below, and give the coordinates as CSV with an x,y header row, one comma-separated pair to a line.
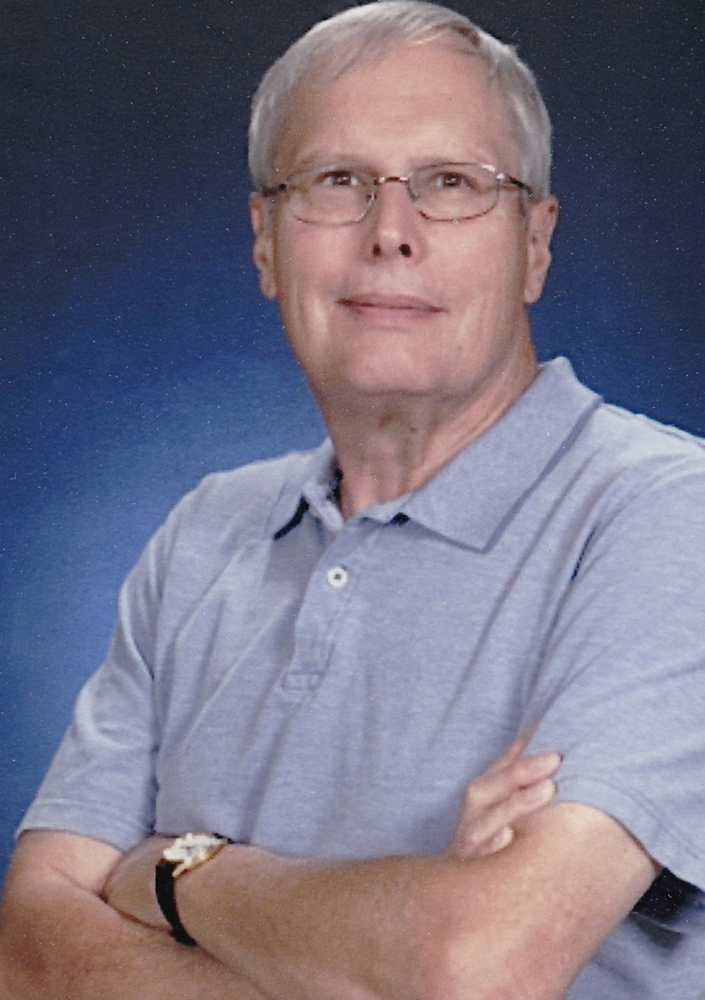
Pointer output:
x,y
454,190
331,196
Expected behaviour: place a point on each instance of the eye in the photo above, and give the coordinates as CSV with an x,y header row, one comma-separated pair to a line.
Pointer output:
x,y
447,179
338,177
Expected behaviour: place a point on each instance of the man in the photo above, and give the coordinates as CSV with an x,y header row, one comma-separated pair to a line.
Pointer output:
x,y
315,655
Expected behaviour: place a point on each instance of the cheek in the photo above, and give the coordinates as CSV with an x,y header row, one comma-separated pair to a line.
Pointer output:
x,y
302,303
305,266
486,252
311,269
487,287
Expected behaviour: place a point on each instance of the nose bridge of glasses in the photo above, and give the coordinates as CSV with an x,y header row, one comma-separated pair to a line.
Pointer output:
x,y
379,182
391,179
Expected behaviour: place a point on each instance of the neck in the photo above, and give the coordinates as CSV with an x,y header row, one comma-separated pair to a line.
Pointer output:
x,y
387,446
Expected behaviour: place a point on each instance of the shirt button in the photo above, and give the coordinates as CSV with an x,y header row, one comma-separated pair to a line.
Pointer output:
x,y
337,577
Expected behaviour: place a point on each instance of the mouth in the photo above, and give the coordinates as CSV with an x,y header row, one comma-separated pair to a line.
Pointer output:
x,y
391,306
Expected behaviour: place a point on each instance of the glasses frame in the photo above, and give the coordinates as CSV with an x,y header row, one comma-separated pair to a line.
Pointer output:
x,y
501,179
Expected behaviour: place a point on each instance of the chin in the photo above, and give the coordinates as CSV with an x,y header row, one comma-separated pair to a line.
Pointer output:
x,y
379,386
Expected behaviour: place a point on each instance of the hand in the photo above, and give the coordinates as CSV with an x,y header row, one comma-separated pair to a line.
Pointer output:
x,y
129,888
513,787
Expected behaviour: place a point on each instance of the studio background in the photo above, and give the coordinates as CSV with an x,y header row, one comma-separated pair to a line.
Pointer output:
x,y
136,352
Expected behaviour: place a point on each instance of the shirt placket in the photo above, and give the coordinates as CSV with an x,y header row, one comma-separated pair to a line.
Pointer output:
x,y
331,587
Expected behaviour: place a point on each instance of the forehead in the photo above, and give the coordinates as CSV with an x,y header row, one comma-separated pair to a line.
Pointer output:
x,y
418,103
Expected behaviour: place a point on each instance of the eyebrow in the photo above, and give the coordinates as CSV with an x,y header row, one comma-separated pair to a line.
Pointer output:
x,y
355,161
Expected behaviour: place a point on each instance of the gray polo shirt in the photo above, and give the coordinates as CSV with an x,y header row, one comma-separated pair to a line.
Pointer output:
x,y
328,689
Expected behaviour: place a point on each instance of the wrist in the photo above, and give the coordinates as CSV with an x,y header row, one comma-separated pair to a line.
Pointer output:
x,y
218,902
180,860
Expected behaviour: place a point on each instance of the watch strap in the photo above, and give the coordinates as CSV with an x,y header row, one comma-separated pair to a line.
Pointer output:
x,y
171,866
165,888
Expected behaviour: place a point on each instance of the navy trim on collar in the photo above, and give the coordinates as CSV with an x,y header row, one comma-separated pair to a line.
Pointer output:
x,y
292,522
309,478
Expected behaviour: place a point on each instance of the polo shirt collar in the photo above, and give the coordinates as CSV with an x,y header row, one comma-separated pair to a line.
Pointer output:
x,y
311,485
469,499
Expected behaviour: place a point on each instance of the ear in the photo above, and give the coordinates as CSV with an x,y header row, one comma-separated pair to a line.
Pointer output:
x,y
542,220
263,246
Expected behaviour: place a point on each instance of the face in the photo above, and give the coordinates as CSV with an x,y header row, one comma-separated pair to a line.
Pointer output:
x,y
397,303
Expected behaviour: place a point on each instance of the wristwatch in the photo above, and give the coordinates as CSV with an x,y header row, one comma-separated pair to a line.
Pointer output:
x,y
186,853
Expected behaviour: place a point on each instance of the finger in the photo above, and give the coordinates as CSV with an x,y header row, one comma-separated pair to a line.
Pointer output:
x,y
497,843
511,754
527,770
476,828
472,837
493,787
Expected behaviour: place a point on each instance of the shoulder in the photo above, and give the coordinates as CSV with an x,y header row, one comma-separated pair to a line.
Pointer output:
x,y
606,443
637,440
630,462
641,486
243,499
249,486
226,511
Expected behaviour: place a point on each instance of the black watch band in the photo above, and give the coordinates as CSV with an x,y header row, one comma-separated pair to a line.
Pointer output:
x,y
165,888
184,855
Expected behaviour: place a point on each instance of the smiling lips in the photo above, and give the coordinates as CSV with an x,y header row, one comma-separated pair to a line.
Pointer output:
x,y
392,307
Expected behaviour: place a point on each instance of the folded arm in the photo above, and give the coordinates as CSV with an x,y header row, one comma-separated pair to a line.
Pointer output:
x,y
474,923
520,922
59,940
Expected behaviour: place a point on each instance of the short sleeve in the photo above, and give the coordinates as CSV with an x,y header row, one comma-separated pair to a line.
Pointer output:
x,y
101,782
621,689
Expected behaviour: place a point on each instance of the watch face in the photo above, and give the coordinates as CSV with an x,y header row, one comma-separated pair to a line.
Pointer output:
x,y
191,846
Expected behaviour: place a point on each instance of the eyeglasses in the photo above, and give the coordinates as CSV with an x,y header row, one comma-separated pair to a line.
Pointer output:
x,y
443,192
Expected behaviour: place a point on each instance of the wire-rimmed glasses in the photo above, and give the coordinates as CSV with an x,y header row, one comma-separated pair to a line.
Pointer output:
x,y
443,192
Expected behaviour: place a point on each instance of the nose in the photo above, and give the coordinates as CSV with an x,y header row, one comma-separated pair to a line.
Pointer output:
x,y
393,224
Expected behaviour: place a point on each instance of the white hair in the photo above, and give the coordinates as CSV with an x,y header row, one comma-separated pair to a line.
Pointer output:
x,y
364,33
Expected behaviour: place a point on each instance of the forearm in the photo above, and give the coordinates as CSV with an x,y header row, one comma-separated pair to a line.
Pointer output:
x,y
521,922
276,925
59,941
310,931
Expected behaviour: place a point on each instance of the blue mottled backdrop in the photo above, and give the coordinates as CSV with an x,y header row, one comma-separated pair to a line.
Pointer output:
x,y
136,353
